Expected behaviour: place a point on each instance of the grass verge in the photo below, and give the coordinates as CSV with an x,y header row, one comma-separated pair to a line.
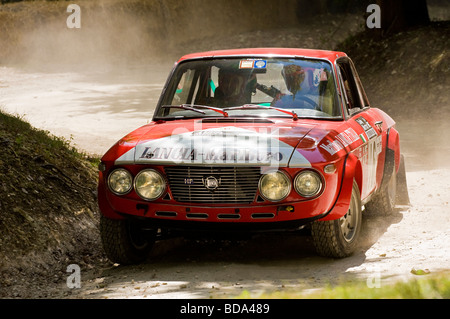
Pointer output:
x,y
431,286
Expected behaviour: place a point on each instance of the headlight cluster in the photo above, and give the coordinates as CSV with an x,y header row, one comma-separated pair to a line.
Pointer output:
x,y
276,186
120,181
308,183
149,184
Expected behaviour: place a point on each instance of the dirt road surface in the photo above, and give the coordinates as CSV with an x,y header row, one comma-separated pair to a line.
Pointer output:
x,y
94,113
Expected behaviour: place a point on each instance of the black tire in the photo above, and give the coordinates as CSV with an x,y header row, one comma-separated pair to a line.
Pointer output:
x,y
124,242
339,238
383,203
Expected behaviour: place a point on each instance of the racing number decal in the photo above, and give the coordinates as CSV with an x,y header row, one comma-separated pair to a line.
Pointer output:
x,y
369,154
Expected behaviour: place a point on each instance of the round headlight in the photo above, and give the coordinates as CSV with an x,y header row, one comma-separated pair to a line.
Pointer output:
x,y
120,181
149,184
308,183
274,186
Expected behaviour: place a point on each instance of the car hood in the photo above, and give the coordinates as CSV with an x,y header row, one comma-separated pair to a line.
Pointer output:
x,y
198,143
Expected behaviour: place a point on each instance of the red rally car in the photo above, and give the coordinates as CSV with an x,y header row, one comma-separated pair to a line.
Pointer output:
x,y
252,140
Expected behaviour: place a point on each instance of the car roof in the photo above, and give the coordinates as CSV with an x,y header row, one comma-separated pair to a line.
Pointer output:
x,y
291,52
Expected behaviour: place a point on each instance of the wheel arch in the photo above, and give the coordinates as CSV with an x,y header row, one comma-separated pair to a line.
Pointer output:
x,y
393,143
358,176
352,172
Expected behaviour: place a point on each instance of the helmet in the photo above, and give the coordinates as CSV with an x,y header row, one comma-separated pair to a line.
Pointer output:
x,y
293,75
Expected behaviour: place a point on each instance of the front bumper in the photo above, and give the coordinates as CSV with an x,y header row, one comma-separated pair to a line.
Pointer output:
x,y
165,212
226,218
221,214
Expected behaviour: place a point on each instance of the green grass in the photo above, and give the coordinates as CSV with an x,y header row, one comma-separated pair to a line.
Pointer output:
x,y
20,135
432,286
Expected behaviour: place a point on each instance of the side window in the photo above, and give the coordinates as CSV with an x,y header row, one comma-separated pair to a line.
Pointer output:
x,y
362,93
184,88
354,101
214,81
193,88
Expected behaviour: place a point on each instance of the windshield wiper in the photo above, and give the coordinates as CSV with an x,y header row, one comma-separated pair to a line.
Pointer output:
x,y
195,108
261,107
183,106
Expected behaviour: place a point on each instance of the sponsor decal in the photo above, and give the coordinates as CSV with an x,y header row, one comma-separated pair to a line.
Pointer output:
x,y
246,64
213,155
369,155
342,140
370,132
260,64
317,77
218,146
323,76
253,64
362,138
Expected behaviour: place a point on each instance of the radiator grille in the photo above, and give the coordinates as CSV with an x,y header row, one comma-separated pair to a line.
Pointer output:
x,y
236,184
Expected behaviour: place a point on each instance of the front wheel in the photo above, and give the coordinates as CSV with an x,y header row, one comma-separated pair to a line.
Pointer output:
x,y
124,241
339,238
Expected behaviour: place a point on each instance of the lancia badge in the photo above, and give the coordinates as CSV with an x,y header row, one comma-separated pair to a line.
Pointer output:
x,y
211,183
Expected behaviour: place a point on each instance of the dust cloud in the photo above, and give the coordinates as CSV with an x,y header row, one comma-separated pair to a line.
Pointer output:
x,y
119,33
112,34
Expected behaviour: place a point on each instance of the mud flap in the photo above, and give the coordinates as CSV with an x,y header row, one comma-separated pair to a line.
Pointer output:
x,y
389,167
402,197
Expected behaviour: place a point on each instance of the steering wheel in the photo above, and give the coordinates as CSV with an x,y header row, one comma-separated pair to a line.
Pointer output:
x,y
303,98
308,100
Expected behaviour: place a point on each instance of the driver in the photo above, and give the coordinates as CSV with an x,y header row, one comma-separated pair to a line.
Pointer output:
x,y
235,88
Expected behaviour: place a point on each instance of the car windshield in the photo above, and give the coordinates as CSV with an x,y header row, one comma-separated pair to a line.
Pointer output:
x,y
250,87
